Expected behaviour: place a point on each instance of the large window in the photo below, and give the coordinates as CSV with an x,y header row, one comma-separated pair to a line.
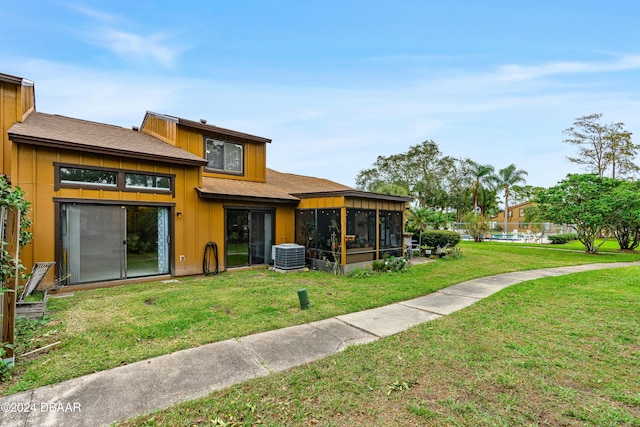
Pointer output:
x,y
224,156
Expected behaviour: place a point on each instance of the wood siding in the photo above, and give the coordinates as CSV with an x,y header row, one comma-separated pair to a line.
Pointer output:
x,y
322,202
200,220
385,205
160,128
28,97
16,102
255,162
192,140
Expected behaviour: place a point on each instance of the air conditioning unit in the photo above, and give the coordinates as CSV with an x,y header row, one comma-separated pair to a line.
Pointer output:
x,y
288,256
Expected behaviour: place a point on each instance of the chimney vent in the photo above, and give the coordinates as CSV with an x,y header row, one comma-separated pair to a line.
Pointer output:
x,y
203,121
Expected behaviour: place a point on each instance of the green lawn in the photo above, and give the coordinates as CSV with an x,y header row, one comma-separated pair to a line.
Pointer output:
x,y
561,351
106,328
609,246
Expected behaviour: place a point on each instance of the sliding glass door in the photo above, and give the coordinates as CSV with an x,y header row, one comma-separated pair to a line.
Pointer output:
x,y
111,242
249,237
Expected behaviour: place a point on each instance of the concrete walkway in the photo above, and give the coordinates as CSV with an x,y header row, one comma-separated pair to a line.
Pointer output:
x,y
124,392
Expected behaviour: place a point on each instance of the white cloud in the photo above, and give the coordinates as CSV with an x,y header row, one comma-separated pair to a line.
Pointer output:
x,y
156,47
129,46
516,72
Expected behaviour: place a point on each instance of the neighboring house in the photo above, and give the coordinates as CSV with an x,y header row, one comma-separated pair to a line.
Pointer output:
x,y
518,221
517,217
112,204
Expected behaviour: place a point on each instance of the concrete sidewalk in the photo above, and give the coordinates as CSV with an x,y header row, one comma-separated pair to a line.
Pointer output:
x,y
124,392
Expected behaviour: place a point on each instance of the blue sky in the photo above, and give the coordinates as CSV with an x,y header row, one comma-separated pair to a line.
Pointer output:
x,y
334,84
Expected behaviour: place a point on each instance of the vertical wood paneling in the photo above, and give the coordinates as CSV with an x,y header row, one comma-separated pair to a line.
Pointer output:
x,y
160,128
9,106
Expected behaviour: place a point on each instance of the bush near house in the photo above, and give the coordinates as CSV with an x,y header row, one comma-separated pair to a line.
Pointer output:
x,y
559,239
440,238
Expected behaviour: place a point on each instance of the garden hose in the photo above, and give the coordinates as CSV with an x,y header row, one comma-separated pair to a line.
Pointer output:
x,y
210,254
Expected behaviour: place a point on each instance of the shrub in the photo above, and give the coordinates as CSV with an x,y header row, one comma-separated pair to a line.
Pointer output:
x,y
558,239
391,264
440,238
477,226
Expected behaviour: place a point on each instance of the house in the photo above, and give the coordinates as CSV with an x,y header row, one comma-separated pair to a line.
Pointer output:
x,y
517,217
112,204
518,220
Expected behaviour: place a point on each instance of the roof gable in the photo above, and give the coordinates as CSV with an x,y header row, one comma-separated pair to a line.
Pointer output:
x,y
206,128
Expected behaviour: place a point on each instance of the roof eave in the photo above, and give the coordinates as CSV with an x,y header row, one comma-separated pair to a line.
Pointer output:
x,y
353,193
237,197
223,131
15,80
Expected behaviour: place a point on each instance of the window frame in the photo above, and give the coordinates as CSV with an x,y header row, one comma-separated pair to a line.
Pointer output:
x,y
224,169
87,183
121,180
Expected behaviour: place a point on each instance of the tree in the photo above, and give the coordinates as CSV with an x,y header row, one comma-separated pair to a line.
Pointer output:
x,y
483,176
421,171
621,151
523,193
505,180
578,200
624,215
457,188
487,201
602,147
418,219
392,189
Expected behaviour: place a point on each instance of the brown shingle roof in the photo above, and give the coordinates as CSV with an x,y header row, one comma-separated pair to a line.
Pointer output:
x,y
295,184
283,188
303,186
236,189
279,187
66,132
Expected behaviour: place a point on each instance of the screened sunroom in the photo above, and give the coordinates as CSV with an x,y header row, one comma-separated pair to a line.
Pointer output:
x,y
352,227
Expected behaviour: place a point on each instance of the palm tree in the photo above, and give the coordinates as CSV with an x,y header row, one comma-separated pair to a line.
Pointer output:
x,y
507,178
487,201
483,176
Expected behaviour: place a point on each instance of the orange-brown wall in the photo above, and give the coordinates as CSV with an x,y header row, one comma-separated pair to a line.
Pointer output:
x,y
192,140
322,202
161,128
200,220
35,175
516,217
16,102
211,219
